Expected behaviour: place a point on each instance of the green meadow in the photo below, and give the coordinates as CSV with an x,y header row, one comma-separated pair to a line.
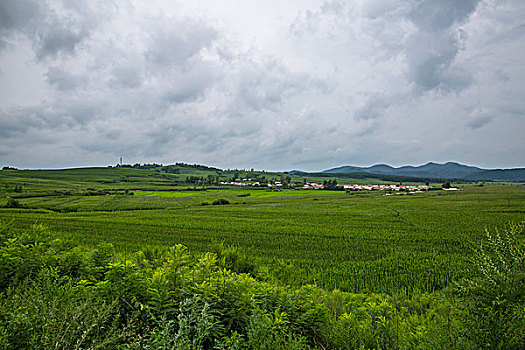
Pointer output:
x,y
355,241
362,243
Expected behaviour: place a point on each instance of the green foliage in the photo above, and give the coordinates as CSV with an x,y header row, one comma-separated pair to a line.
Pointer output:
x,y
100,260
220,201
500,264
330,184
267,333
496,294
22,256
169,299
47,313
233,258
198,325
389,250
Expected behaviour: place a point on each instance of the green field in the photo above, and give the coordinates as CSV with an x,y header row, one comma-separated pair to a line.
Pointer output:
x,y
237,192
357,241
97,258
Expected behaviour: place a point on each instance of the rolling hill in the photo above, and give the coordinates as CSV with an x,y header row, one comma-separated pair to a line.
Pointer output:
x,y
432,170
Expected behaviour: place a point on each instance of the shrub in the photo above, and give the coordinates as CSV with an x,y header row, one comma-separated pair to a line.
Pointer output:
x,y
220,201
496,295
47,314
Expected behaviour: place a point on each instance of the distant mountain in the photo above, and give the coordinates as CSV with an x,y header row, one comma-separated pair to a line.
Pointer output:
x,y
431,170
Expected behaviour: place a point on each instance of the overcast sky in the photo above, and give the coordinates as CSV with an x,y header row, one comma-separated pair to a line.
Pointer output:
x,y
275,85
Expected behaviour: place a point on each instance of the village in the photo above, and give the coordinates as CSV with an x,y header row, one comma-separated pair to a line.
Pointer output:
x,y
347,187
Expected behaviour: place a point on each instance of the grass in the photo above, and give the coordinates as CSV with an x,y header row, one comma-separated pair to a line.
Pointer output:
x,y
359,241
261,193
168,194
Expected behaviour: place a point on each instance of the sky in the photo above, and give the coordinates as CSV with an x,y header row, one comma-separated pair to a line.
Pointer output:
x,y
274,85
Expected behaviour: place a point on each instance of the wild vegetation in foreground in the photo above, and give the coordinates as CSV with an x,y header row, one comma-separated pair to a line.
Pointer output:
x,y
58,295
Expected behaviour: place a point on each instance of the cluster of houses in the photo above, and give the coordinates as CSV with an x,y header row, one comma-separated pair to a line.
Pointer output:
x,y
385,187
313,186
316,186
235,183
254,184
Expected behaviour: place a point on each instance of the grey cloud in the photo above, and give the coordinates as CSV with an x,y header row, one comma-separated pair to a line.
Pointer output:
x,y
175,61
111,134
266,85
430,57
64,115
188,137
260,94
375,106
432,50
430,47
184,94
189,85
129,76
354,81
53,29
16,15
18,122
179,41
432,15
62,79
479,121
10,129
117,147
382,8
57,40
501,74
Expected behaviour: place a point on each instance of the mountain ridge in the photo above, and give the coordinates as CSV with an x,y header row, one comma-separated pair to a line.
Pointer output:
x,y
448,170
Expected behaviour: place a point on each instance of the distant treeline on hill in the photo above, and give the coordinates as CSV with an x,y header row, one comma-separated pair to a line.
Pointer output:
x,y
167,168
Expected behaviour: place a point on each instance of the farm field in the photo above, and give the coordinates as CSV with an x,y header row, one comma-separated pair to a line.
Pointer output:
x,y
357,241
137,259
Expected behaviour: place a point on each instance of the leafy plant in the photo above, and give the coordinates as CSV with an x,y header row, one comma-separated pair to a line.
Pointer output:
x,y
496,294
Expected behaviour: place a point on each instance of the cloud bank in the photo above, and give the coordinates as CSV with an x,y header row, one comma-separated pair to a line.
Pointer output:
x,y
306,85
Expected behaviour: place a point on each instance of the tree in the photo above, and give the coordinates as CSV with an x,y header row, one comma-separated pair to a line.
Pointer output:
x,y
446,184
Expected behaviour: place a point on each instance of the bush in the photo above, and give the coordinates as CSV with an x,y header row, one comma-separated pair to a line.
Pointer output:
x,y
48,314
496,295
220,201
